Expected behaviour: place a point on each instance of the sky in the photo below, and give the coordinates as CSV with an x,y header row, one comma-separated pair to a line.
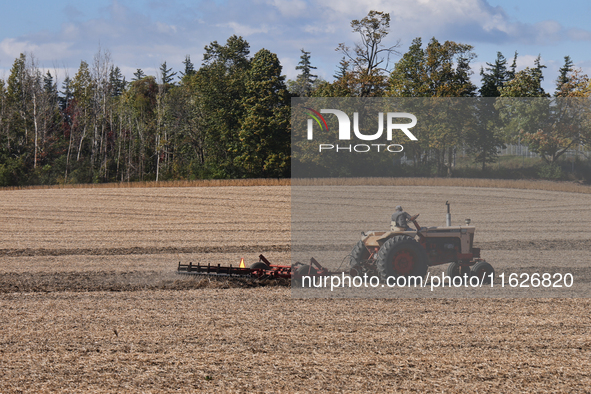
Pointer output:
x,y
143,34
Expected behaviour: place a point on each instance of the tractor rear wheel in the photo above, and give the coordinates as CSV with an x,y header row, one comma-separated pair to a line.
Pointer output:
x,y
358,255
402,256
483,271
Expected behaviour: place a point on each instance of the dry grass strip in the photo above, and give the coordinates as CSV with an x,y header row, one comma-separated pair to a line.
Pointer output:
x,y
561,186
179,183
573,187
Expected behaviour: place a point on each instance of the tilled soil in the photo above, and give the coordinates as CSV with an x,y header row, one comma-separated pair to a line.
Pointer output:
x,y
91,301
30,282
262,340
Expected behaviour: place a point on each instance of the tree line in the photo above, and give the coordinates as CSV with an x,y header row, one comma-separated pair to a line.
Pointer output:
x,y
230,117
227,119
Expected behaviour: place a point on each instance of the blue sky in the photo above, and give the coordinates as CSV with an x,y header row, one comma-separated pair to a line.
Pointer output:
x,y
143,34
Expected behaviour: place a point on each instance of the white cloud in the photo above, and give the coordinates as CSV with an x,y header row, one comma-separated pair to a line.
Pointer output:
x,y
524,61
289,64
13,47
579,34
166,28
320,29
244,30
474,20
289,8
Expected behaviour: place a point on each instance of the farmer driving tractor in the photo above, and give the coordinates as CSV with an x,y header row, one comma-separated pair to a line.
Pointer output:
x,y
400,219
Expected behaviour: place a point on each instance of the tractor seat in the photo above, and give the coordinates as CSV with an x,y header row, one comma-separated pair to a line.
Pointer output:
x,y
394,227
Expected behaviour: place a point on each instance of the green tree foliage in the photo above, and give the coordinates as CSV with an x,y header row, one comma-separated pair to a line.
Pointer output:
x,y
409,77
552,128
526,83
141,100
548,127
221,82
439,70
265,132
29,119
484,141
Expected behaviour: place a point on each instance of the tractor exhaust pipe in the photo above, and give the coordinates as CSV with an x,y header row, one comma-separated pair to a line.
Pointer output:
x,y
448,216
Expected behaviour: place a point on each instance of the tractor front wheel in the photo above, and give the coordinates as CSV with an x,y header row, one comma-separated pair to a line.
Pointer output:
x,y
402,256
483,271
455,269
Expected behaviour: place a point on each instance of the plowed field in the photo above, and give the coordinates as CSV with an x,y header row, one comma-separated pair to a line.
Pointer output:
x,y
91,302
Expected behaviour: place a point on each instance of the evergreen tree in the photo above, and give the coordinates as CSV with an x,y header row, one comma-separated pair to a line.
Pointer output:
x,y
66,93
166,75
538,72
305,80
513,69
495,77
189,67
342,69
564,77
484,140
139,74
116,81
48,86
